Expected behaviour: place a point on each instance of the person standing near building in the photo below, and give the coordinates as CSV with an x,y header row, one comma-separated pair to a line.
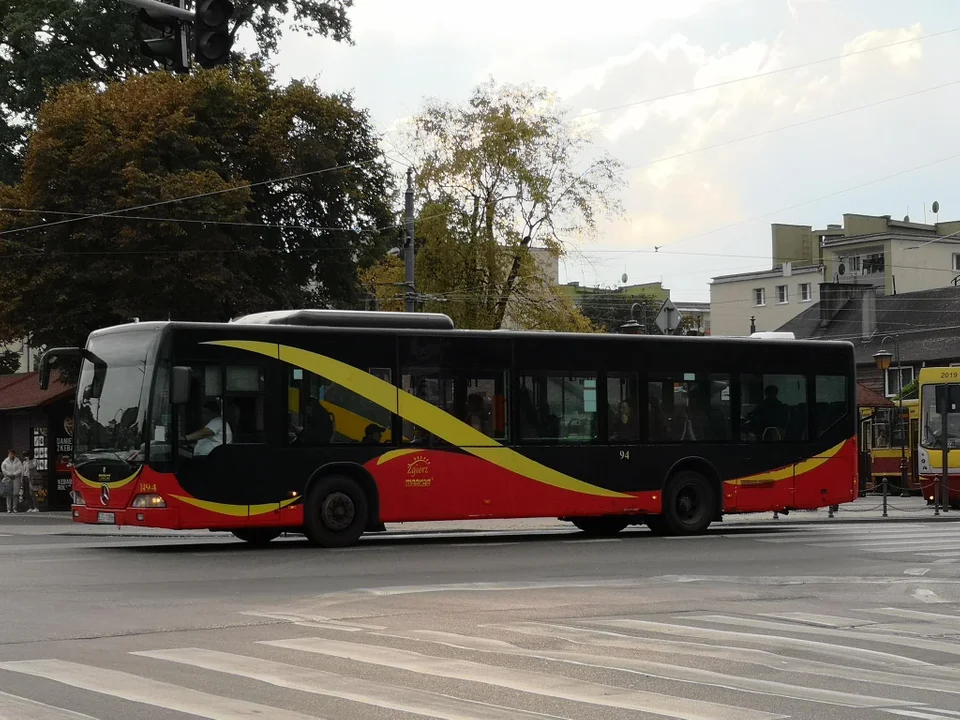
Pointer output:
x,y
30,480
12,470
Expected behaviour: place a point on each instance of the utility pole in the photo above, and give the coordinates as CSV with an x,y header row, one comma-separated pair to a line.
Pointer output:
x,y
411,291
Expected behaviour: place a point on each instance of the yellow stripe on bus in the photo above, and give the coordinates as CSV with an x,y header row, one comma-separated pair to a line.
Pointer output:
x,y
235,510
421,413
113,485
789,471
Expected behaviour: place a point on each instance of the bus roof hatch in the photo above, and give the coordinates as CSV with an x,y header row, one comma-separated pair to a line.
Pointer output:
x,y
349,318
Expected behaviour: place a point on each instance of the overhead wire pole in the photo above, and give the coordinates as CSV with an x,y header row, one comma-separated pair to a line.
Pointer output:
x,y
411,291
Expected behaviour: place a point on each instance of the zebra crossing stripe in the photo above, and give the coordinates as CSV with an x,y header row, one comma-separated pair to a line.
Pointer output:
x,y
664,671
13,707
763,658
319,682
149,692
559,687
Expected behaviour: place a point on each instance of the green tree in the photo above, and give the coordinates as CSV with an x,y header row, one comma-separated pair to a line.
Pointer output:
x,y
48,43
241,241
503,173
451,278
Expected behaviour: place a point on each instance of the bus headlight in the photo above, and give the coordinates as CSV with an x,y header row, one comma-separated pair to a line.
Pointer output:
x,y
148,501
76,498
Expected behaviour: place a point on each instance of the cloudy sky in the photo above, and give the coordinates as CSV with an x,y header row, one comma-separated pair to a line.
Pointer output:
x,y
709,209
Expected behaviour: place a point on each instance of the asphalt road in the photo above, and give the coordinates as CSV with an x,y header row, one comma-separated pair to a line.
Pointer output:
x,y
858,620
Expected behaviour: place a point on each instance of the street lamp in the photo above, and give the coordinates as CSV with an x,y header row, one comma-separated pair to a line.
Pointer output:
x,y
883,358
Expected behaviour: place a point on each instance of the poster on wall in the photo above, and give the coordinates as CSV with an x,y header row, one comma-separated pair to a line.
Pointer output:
x,y
61,457
39,446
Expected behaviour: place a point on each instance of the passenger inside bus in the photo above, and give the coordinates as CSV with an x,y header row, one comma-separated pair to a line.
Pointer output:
x,y
624,425
318,426
373,435
214,432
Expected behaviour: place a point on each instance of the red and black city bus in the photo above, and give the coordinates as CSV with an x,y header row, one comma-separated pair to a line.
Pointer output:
x,y
333,423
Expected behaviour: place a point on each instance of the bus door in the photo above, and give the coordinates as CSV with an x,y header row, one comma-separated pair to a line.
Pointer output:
x,y
223,461
774,423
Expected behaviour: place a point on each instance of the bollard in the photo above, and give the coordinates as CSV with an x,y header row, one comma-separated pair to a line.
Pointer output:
x,y
833,508
884,496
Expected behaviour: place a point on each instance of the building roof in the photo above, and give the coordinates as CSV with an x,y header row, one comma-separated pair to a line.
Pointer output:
x,y
870,398
926,323
22,391
765,274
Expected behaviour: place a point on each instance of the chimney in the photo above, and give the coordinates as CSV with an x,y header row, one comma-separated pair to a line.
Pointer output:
x,y
868,325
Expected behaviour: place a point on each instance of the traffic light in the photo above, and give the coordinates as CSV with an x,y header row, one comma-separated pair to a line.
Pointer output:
x,y
172,48
211,32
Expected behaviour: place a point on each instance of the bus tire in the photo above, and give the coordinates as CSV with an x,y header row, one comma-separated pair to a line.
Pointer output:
x,y
689,504
336,512
603,526
257,536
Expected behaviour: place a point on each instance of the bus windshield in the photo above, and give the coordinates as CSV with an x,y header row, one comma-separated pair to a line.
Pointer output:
x,y
931,435
112,424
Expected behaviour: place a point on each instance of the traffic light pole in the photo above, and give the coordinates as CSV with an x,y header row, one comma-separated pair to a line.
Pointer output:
x,y
163,8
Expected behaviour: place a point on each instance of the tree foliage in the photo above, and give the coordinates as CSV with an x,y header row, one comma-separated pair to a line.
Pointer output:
x,y
48,43
499,175
462,280
189,223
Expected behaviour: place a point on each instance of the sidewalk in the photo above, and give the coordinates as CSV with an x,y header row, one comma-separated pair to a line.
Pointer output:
x,y
866,509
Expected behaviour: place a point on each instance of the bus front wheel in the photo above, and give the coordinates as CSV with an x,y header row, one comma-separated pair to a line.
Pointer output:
x,y
335,513
257,536
600,526
689,505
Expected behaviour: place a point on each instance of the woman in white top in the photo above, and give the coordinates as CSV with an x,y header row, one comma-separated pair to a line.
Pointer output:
x,y
12,470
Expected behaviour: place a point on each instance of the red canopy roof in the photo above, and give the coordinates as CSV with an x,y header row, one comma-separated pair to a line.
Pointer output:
x,y
870,398
22,391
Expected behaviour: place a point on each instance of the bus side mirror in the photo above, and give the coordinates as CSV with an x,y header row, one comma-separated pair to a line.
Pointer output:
x,y
180,394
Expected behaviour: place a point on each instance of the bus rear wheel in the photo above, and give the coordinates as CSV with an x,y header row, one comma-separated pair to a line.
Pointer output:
x,y
335,513
257,536
600,526
689,505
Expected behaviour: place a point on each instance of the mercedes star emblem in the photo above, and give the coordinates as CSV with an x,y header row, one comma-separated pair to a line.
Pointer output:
x,y
104,494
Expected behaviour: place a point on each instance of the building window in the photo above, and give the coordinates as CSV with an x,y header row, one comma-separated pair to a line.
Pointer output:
x,y
806,292
956,262
873,264
782,297
759,297
890,379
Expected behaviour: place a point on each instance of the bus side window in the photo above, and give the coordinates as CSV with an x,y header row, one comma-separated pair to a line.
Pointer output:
x,y
243,403
831,405
321,412
623,405
558,407
431,387
773,408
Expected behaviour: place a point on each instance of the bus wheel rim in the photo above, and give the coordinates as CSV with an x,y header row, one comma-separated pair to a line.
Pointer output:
x,y
689,504
337,511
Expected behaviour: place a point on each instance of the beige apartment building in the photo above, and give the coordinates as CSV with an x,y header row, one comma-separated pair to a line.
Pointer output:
x,y
892,256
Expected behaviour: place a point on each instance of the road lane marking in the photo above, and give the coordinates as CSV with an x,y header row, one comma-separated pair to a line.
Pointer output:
x,y
916,572
829,621
360,690
149,692
664,671
14,707
843,652
916,643
554,686
936,619
762,658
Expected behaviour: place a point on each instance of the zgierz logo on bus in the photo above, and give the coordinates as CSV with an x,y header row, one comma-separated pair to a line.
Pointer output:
x,y
418,472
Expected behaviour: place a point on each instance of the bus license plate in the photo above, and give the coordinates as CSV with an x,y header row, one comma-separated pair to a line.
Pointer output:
x,y
106,518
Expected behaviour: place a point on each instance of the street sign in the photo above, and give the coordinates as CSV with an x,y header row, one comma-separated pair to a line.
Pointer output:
x,y
668,319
